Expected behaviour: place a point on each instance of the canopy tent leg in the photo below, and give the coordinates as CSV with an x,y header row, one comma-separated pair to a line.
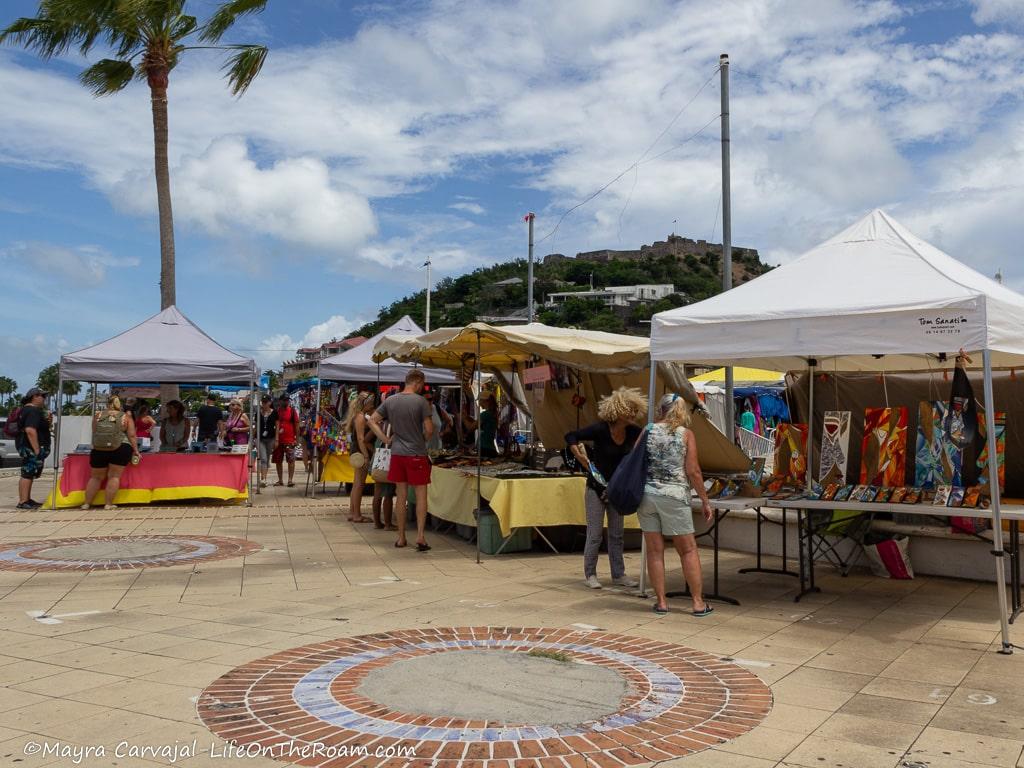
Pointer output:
x,y
811,365
997,522
93,401
316,447
479,449
252,444
56,439
652,385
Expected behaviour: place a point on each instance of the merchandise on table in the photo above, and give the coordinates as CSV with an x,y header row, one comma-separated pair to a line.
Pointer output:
x,y
941,495
956,497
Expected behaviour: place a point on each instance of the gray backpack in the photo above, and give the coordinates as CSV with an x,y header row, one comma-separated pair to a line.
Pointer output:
x,y
108,433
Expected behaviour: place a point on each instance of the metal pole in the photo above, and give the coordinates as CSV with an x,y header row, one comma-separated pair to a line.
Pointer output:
x,y
811,364
529,272
56,440
993,484
427,265
651,391
93,407
479,442
316,415
723,63
253,438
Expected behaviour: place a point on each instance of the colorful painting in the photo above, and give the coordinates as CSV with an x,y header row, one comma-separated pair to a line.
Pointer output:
x,y
913,496
835,447
942,495
1000,448
844,493
956,497
884,449
791,452
938,461
898,495
972,496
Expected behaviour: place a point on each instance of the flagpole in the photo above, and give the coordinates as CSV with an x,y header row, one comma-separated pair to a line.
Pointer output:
x,y
529,270
427,265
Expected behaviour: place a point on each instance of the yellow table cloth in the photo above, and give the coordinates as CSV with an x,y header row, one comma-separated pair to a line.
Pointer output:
x,y
517,502
338,470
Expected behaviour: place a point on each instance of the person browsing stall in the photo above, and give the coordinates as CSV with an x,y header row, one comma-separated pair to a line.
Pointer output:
x,y
209,416
287,434
236,426
33,444
361,439
673,474
486,425
266,421
612,438
113,447
412,426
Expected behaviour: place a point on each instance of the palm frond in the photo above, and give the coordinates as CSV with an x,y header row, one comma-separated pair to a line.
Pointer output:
x,y
226,16
107,76
183,26
243,66
63,24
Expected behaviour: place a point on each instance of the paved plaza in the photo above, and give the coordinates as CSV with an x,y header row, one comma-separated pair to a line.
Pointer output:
x,y
281,626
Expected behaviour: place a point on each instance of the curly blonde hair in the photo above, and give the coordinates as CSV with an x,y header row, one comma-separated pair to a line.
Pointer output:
x,y
674,411
624,403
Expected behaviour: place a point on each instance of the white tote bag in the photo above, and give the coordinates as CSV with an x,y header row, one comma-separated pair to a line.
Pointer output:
x,y
381,462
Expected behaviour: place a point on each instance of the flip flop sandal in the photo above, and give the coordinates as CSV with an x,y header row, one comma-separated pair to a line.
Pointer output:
x,y
706,610
422,547
659,610
361,520
400,546
278,484
291,485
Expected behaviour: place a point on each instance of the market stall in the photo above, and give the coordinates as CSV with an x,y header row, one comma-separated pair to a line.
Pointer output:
x,y
873,298
570,370
167,347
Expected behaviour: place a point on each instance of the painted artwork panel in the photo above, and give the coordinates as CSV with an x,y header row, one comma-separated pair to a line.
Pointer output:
x,y
791,453
937,460
835,447
884,448
1000,448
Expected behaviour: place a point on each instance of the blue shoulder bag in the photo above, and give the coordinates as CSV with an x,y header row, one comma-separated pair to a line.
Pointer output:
x,y
626,487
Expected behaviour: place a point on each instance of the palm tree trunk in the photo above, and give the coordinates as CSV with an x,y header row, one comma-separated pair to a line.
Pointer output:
x,y
168,295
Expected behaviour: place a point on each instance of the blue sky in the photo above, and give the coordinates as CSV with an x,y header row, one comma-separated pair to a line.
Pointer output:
x,y
379,135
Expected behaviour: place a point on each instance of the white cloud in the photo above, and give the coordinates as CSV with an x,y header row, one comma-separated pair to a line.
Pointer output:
x,y
998,12
276,349
475,208
84,266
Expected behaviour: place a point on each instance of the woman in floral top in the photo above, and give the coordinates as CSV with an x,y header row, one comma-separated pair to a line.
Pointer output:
x,y
673,473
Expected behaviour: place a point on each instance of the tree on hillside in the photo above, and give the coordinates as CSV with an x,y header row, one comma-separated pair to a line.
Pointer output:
x,y
147,38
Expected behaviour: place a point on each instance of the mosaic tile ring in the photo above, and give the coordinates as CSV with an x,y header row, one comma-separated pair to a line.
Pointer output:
x,y
125,552
303,705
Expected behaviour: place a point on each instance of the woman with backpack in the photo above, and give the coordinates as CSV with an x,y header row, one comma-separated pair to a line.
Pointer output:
x,y
612,438
673,474
113,447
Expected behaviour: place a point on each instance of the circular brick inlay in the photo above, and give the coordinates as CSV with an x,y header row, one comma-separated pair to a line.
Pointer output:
x,y
112,553
305,706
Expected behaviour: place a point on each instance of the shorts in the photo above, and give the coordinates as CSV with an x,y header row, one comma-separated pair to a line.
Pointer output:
x,y
414,470
119,457
32,463
265,450
387,490
286,451
665,515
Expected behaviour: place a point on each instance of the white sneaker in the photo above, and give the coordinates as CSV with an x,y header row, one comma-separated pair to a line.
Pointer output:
x,y
592,582
625,581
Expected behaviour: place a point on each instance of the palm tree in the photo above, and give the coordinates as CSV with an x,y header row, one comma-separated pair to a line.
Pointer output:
x,y
8,387
147,38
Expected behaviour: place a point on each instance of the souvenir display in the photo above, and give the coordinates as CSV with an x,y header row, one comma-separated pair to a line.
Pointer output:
x,y
731,489
835,447
858,492
884,447
956,496
882,495
713,487
913,496
757,470
830,492
962,414
791,452
941,496
774,486
937,461
972,496
843,493
814,493
1000,448
898,495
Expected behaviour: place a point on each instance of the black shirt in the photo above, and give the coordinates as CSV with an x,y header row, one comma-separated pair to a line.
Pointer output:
x,y
268,425
209,416
606,453
33,417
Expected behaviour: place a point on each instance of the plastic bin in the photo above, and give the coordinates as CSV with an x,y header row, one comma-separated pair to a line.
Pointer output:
x,y
489,534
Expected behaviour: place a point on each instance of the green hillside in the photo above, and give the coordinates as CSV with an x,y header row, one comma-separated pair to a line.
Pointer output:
x,y
462,300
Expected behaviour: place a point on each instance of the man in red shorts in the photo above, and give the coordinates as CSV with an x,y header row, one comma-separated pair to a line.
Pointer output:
x,y
287,430
408,413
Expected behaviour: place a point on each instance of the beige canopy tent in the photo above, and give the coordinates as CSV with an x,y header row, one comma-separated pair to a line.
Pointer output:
x,y
605,361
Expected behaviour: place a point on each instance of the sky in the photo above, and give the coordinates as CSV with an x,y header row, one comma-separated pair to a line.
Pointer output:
x,y
380,135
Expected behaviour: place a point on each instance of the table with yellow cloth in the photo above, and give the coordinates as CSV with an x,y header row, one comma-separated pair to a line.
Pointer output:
x,y
337,469
517,502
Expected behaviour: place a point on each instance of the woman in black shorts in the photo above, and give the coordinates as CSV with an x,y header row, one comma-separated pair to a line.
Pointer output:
x,y
108,463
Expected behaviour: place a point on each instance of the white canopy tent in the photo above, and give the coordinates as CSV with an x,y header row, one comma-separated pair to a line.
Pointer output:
x,y
357,365
167,347
875,297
